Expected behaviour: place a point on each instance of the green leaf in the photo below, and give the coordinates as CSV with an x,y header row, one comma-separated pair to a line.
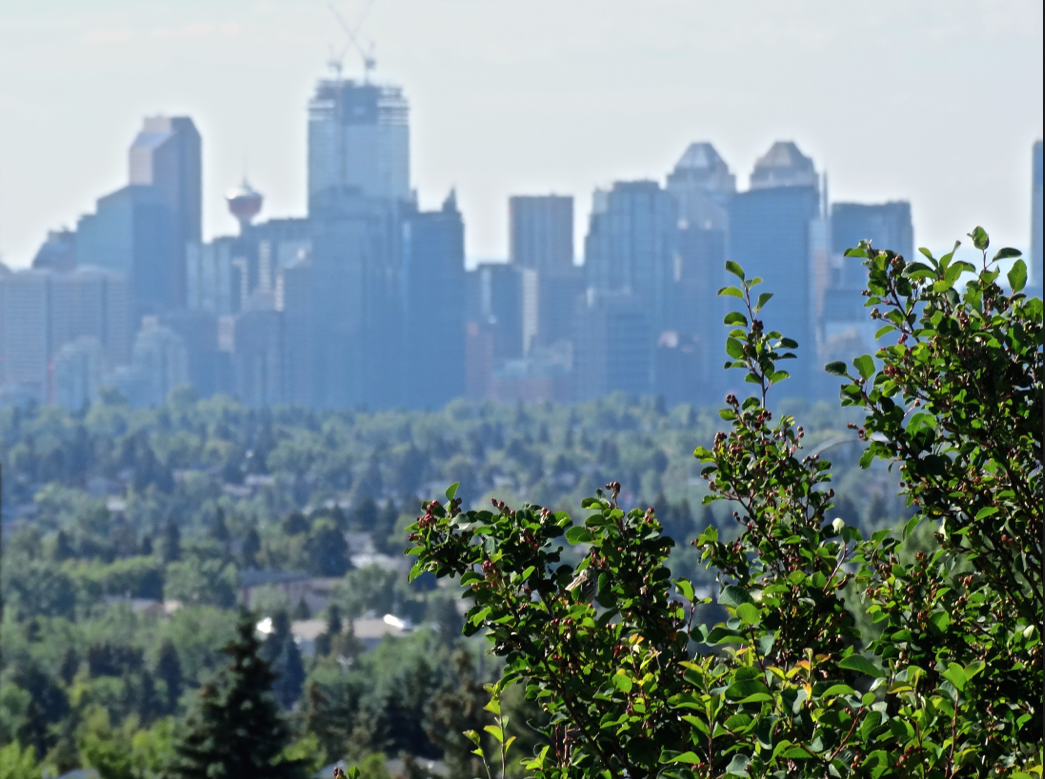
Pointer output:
x,y
861,664
912,523
865,365
762,300
940,620
622,682
882,331
955,674
496,732
749,613
732,292
734,348
980,238
788,343
1006,253
1017,275
735,318
472,736
685,757
738,766
735,269
578,534
838,689
685,589
778,376
990,511
836,368
797,753
451,491
734,596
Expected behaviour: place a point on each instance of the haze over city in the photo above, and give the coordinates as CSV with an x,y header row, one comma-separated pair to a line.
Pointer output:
x,y
937,103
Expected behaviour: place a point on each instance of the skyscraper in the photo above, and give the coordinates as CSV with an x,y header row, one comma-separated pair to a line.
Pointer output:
x,y
92,303
166,155
25,344
358,139
774,230
846,331
356,297
614,347
1036,205
541,228
433,306
886,225
702,185
629,246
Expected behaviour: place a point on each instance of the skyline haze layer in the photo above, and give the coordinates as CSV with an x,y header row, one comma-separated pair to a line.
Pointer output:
x,y
937,104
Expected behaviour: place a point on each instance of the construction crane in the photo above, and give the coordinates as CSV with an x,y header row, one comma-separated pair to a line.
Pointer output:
x,y
369,63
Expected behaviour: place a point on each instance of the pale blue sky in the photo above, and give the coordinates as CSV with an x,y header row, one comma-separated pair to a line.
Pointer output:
x,y
935,102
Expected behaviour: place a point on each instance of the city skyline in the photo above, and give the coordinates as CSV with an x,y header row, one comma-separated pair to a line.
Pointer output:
x,y
46,185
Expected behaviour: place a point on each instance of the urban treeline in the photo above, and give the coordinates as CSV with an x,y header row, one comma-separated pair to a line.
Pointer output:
x,y
130,535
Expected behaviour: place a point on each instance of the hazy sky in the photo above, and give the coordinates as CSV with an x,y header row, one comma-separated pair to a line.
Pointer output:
x,y
935,102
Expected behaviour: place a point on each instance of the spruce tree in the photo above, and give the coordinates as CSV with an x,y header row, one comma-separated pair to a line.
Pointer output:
x,y
234,728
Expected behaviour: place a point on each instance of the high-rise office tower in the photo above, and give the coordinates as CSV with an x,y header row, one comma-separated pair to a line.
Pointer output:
x,y
25,344
41,311
776,232
630,241
886,225
356,319
614,345
58,252
297,331
694,315
702,185
130,234
1036,205
541,228
846,331
92,303
784,166
257,358
358,139
166,155
433,306
541,244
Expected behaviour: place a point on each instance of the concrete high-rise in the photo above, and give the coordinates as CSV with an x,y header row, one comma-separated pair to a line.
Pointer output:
x,y
358,139
541,232
25,343
1036,205
166,155
776,232
91,303
41,311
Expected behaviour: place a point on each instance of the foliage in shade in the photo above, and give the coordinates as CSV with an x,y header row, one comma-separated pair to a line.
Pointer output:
x,y
234,728
781,689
